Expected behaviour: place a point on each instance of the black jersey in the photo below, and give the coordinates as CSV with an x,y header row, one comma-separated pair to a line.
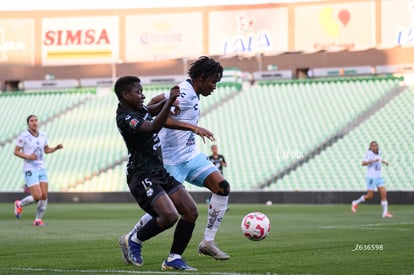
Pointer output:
x,y
144,149
218,162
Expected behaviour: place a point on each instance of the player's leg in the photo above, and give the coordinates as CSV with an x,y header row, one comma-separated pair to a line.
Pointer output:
x,y
204,173
187,208
384,202
152,198
370,194
178,172
41,203
32,183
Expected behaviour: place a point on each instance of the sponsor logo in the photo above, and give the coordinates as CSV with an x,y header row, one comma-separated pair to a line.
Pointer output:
x,y
133,123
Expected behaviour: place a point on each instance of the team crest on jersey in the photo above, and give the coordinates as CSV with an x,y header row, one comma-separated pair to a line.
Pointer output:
x,y
133,123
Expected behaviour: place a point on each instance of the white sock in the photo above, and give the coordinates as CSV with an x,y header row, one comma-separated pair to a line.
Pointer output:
x,y
216,210
144,219
41,209
173,257
135,239
384,205
27,200
361,199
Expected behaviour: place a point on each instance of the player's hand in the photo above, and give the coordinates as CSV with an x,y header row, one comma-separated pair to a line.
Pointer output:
x,y
176,110
174,93
33,156
385,162
59,146
204,133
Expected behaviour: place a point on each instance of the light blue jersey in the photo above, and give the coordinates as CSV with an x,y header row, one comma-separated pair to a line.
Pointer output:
x,y
33,144
179,146
374,169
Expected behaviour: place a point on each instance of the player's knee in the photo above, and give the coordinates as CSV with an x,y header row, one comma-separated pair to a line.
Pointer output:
x,y
168,219
224,188
368,197
192,215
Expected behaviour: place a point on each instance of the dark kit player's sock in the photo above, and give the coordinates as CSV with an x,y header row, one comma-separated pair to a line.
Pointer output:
x,y
149,230
182,235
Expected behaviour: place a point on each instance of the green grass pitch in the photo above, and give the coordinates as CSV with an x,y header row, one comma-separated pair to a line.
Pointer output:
x,y
304,239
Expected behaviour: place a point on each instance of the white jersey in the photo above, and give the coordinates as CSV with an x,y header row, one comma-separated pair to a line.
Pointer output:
x,y
179,146
374,169
31,144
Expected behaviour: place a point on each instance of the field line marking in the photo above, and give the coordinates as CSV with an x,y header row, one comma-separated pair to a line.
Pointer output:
x,y
120,271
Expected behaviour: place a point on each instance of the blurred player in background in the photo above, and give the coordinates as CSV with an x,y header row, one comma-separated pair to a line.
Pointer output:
x,y
31,145
218,160
153,188
183,160
374,179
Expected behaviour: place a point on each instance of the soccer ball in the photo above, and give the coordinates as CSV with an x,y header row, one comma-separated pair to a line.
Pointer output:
x,y
255,226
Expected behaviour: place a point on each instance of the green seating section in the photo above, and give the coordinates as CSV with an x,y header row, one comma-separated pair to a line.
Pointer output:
x,y
339,167
260,131
268,127
15,108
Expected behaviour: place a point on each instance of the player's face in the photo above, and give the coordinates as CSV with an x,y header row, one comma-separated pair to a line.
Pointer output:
x,y
33,123
214,149
374,147
207,86
135,97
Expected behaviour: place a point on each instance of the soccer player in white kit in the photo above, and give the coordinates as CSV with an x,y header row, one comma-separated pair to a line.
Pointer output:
x,y
181,157
374,179
31,145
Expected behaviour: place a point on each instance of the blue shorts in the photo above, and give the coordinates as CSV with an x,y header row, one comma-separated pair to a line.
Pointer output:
x,y
374,183
195,171
33,177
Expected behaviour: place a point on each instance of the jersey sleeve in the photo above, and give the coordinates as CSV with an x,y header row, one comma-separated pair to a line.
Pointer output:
x,y
367,156
222,157
130,124
20,141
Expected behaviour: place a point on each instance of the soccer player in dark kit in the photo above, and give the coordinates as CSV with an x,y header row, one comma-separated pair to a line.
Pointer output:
x,y
154,189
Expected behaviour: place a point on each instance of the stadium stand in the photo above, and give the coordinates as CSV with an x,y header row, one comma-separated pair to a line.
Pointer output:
x,y
260,130
339,167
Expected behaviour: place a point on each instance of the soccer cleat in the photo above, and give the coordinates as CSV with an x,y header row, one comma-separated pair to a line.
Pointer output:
x,y
134,252
209,248
123,243
38,222
387,215
17,209
177,264
354,207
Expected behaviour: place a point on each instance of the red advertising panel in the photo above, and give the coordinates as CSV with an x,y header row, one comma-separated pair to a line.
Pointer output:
x,y
80,40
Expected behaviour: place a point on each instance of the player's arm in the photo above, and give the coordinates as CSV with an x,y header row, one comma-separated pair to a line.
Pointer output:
x,y
175,124
18,152
159,121
368,162
385,162
156,103
49,150
224,163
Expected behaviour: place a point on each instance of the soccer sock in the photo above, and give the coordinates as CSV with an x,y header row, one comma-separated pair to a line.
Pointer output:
x,y
384,205
27,200
149,230
361,199
143,221
182,235
216,211
41,209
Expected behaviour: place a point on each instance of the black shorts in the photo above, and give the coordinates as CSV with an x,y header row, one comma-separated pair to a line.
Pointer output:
x,y
147,187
